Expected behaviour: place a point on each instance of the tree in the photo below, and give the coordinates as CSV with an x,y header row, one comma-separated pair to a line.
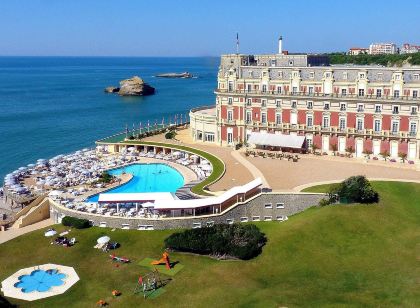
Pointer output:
x,y
403,156
385,154
334,147
314,147
355,189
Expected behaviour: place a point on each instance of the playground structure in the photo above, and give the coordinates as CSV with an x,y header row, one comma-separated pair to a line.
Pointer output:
x,y
163,260
119,259
149,283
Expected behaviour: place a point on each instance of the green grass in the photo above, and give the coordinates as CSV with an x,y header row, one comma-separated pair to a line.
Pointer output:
x,y
218,164
334,256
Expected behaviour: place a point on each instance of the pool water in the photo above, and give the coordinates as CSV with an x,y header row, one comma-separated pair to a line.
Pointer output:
x,y
146,178
40,280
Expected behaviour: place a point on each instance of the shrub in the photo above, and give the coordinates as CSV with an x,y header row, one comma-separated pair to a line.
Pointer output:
x,y
170,135
239,241
324,202
355,189
77,223
105,177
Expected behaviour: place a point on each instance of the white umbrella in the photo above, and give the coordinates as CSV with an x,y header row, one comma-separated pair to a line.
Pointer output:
x,y
50,233
176,153
148,204
54,193
103,240
206,167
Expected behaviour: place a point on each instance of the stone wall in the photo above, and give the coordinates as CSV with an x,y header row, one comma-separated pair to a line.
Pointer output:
x,y
263,207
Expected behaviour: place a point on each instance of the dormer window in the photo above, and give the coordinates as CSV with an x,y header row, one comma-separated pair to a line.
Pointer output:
x,y
280,75
327,75
416,77
362,76
397,77
250,74
380,76
345,76
312,75
291,63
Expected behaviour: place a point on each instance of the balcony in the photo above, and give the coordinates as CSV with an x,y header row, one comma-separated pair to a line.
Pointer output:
x,y
321,95
228,121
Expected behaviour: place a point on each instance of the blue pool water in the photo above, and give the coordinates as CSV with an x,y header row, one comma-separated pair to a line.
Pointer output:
x,y
147,178
40,280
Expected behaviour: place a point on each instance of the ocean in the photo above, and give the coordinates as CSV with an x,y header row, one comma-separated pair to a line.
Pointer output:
x,y
56,105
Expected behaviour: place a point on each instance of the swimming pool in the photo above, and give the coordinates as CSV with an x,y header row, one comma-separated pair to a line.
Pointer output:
x,y
146,178
40,280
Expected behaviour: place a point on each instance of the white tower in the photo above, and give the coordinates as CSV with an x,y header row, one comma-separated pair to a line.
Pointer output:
x,y
280,44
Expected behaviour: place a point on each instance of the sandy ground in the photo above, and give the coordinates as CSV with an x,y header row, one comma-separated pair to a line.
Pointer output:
x,y
283,175
286,175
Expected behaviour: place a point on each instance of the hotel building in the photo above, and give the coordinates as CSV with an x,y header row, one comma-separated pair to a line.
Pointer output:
x,y
363,109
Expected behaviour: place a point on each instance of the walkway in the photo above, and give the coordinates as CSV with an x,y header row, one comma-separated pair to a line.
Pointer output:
x,y
13,233
256,173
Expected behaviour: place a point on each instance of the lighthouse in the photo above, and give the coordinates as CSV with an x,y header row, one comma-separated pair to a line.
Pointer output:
x,y
280,44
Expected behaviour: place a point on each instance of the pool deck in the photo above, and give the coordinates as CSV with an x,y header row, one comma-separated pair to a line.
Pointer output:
x,y
9,290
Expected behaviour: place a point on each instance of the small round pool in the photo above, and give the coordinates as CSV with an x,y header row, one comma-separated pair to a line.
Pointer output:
x,y
146,178
40,281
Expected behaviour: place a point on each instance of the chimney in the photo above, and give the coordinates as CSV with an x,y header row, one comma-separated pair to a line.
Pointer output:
x,y
280,44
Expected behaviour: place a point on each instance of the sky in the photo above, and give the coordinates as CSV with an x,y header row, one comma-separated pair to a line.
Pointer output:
x,y
200,27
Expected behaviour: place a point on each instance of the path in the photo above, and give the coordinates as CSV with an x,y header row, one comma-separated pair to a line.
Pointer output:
x,y
256,173
13,233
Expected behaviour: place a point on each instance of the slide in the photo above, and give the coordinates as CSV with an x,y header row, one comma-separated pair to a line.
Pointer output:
x,y
163,260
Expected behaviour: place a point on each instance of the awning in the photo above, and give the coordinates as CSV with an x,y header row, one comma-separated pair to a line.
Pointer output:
x,y
135,197
277,140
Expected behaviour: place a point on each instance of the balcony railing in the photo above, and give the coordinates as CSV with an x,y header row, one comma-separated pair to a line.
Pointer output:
x,y
322,95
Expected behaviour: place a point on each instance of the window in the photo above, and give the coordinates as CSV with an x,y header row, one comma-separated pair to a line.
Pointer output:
x,y
326,122
342,124
294,104
396,93
361,92
291,63
264,88
209,137
309,143
345,75
278,118
327,75
268,218
263,117
248,102
309,121
359,125
255,218
244,219
278,103
380,76
196,225
278,89
280,75
395,126
416,77
309,105
229,115
326,106
280,205
268,205
273,62
415,93
378,92
413,110
413,128
397,77
343,92
230,100
230,138
312,75
248,117
250,74
311,90
282,218
395,110
377,126
249,87
361,76
230,221
230,88
263,103
360,108
210,223
378,108
294,90
342,107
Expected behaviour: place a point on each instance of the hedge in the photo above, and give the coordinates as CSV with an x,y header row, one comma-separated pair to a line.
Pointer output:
x,y
75,222
222,241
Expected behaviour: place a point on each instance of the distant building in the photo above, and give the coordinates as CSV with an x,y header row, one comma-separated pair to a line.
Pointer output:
x,y
382,48
354,51
408,48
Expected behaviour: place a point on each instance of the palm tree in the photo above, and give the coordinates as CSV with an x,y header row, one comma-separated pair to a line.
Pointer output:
x,y
385,154
403,156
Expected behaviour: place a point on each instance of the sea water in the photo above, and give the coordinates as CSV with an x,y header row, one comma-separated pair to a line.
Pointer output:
x,y
54,105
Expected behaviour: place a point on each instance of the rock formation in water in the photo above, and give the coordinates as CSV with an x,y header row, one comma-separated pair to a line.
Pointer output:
x,y
134,86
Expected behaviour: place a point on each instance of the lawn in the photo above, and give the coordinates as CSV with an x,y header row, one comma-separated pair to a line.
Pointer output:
x,y
336,256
